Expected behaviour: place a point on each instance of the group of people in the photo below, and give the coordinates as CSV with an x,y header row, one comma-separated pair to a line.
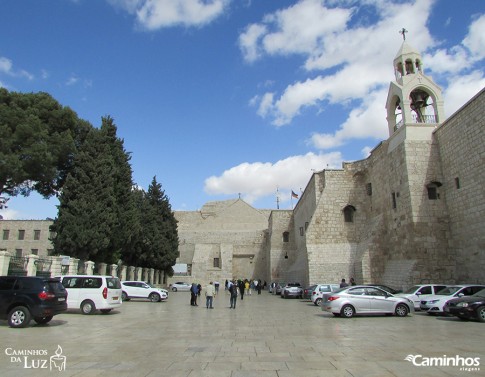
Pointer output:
x,y
344,284
234,287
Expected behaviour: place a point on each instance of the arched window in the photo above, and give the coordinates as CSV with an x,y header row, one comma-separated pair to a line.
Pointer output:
x,y
349,213
286,236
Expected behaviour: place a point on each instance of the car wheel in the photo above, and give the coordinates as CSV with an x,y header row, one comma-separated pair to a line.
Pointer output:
x,y
105,311
87,307
318,301
174,289
19,317
401,310
286,295
43,320
347,311
481,313
124,297
154,297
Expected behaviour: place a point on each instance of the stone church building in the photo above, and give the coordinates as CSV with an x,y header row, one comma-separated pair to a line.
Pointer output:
x,y
412,212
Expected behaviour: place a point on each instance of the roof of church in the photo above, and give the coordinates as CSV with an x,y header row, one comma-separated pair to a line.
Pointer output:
x,y
406,49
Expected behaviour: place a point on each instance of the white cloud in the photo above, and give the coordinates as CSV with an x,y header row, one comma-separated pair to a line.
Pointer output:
x,y
461,89
10,214
475,40
366,121
356,59
6,67
156,14
257,180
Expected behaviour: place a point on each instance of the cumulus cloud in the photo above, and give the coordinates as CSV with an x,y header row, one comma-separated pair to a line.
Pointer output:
x,y
366,121
260,179
156,14
461,89
475,40
6,67
354,58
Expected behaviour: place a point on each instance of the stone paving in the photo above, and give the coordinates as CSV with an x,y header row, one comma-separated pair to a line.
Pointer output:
x,y
265,336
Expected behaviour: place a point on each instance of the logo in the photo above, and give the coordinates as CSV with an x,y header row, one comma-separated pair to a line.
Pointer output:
x,y
37,358
466,364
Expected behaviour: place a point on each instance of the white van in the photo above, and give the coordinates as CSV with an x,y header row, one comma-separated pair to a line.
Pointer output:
x,y
92,292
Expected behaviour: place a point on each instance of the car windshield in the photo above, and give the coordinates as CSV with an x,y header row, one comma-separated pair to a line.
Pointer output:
x,y
448,291
411,290
480,293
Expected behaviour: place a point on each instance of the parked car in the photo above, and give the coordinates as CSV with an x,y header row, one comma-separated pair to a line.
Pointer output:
x,y
23,298
180,286
307,292
141,289
417,293
92,292
467,307
362,299
292,290
322,292
434,304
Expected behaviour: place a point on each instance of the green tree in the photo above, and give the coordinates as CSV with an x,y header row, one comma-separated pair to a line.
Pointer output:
x,y
127,220
87,212
38,141
159,234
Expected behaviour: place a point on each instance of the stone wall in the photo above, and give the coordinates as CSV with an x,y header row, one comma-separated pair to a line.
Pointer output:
x,y
461,142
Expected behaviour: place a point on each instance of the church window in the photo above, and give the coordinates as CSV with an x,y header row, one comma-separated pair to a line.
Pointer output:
x,y
217,263
457,183
349,214
6,233
432,188
394,202
21,234
409,67
286,236
368,189
306,225
302,232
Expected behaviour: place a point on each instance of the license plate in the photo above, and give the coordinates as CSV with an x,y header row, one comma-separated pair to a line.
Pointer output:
x,y
61,299
115,298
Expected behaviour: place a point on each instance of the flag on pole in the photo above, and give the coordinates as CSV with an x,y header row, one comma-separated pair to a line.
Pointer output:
x,y
293,195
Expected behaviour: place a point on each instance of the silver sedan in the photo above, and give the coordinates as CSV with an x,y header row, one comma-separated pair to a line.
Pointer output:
x,y
350,301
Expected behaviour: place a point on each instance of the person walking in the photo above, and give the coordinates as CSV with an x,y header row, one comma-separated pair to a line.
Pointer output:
x,y
247,287
193,294
352,281
210,291
233,293
241,289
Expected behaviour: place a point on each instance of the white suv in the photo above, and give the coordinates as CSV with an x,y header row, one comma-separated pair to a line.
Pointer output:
x,y
141,289
92,292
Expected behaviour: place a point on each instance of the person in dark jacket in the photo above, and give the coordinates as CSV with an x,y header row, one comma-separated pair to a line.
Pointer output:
x,y
241,288
193,294
233,292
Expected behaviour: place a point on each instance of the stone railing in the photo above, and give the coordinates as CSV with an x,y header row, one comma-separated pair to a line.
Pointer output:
x,y
33,265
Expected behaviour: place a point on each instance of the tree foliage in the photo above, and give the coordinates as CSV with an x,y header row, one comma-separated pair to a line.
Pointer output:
x,y
38,141
157,245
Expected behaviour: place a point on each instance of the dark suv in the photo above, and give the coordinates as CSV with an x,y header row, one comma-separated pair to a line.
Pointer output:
x,y
25,297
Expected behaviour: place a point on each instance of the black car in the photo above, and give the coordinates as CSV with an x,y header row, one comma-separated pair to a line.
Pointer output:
x,y
25,297
467,307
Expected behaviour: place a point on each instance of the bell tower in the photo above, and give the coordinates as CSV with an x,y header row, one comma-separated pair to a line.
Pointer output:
x,y
414,101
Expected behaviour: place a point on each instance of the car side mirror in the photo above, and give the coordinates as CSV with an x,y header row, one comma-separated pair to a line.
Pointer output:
x,y
418,293
460,295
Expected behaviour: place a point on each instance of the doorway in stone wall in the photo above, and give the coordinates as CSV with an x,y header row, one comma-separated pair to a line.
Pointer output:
x,y
243,266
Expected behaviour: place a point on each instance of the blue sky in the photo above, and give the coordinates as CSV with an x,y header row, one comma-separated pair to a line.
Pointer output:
x,y
221,98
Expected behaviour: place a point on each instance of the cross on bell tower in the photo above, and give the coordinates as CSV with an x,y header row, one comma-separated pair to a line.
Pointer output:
x,y
403,32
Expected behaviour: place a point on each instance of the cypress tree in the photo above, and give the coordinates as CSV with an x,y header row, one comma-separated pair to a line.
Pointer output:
x,y
87,205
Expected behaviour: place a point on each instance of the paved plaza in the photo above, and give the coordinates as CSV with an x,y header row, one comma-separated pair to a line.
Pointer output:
x,y
265,336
